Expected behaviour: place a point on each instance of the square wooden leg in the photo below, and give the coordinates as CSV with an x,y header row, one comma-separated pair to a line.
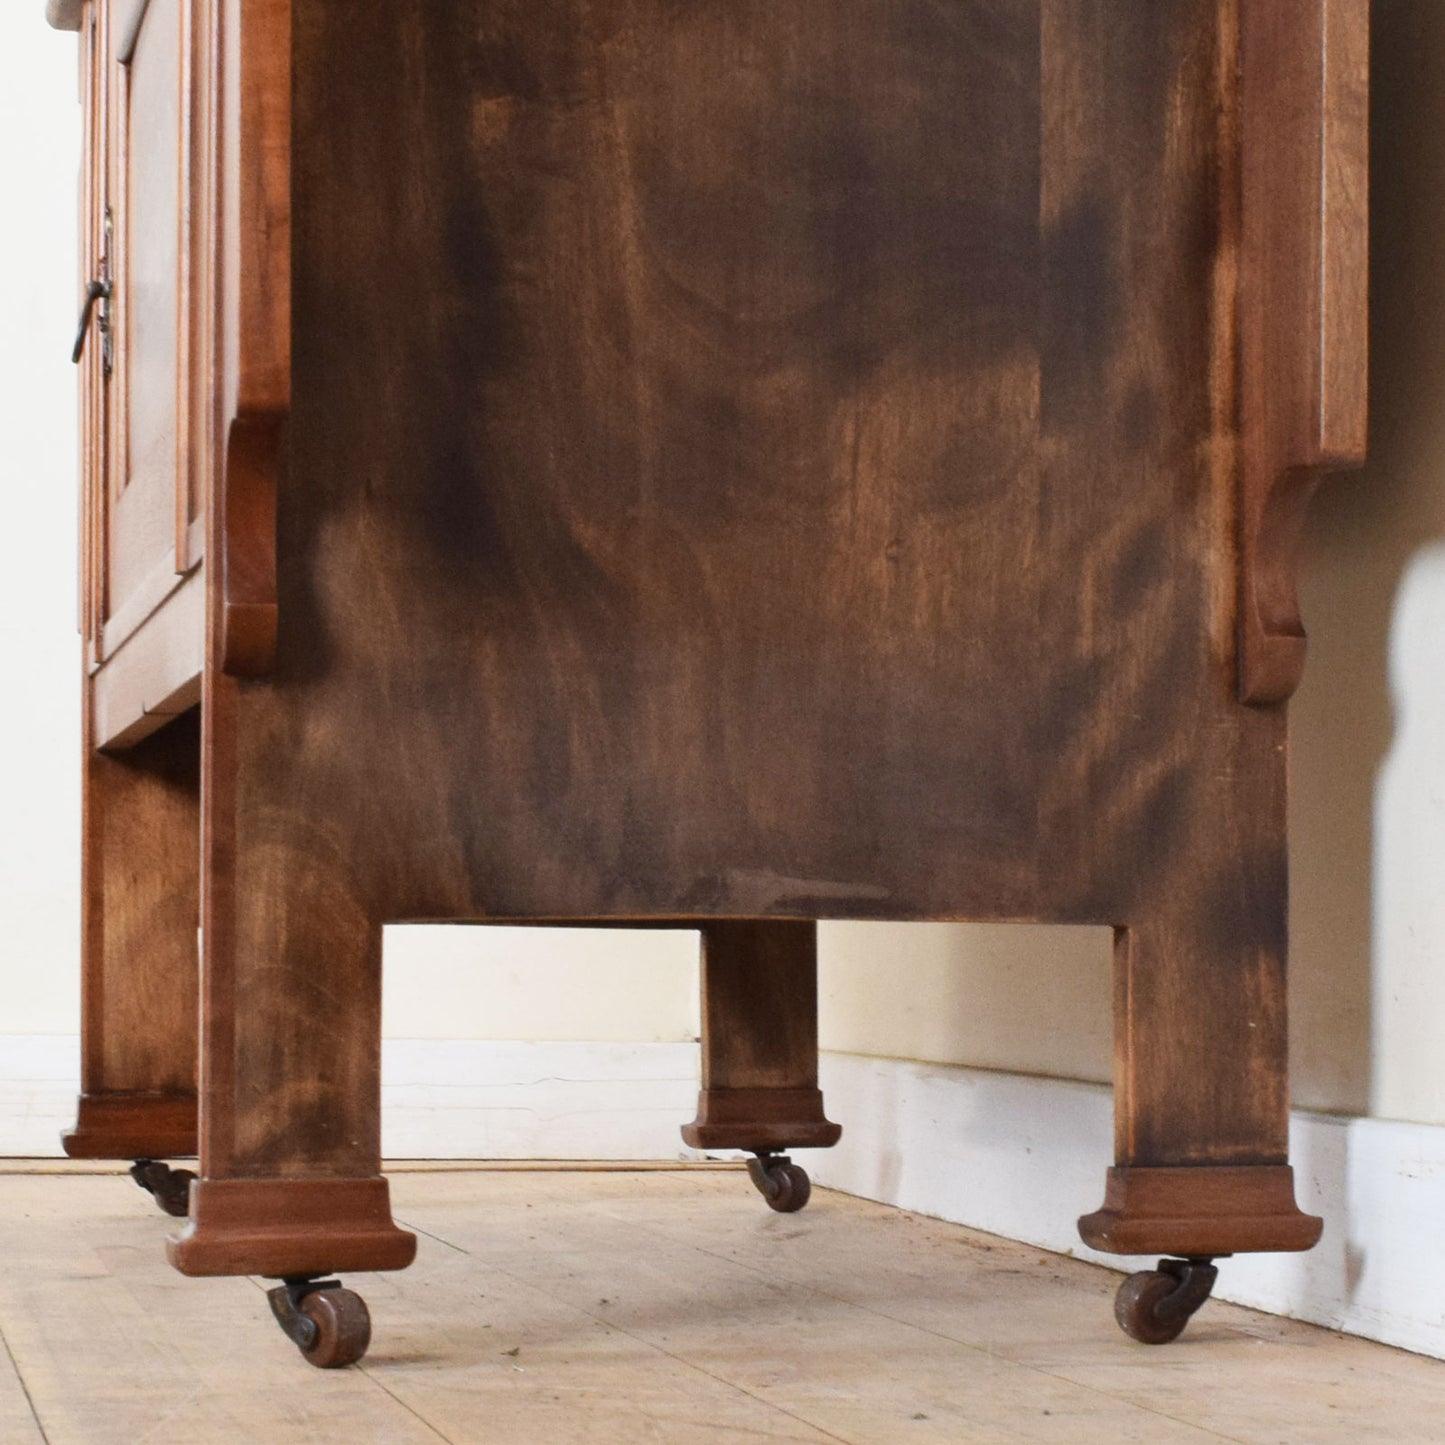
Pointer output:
x,y
1201,1082
760,1040
290,1112
140,909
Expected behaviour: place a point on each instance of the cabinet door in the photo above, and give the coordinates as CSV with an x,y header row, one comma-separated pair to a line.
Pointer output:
x,y
95,346
151,530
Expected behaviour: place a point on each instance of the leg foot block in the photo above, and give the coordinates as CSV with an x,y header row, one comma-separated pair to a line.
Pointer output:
x,y
290,1228
133,1126
1199,1210
763,1120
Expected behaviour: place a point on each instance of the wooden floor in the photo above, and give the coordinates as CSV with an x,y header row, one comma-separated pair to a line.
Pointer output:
x,y
558,1305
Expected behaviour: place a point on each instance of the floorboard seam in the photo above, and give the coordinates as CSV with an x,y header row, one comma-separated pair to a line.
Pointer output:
x,y
687,1364
361,1369
610,1324
436,1238
416,1414
24,1388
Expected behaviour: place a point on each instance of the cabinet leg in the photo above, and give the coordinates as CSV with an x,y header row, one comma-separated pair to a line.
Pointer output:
x,y
291,1181
290,1120
1201,1084
140,911
760,1041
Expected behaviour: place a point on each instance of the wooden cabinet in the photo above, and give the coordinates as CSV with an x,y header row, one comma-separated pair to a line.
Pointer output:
x,y
163,355
145,361
728,464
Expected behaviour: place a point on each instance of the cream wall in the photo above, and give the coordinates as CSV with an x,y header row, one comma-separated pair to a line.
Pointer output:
x,y
39,654
997,996
601,984
1369,755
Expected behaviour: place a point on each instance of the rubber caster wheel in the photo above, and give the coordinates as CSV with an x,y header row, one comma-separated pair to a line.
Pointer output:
x,y
1154,1305
331,1326
784,1185
170,1188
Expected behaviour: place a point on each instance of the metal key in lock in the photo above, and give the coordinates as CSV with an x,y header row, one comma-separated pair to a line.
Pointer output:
x,y
99,290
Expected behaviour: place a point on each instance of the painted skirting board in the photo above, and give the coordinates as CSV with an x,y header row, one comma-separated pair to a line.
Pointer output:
x,y
453,1099
1011,1154
1023,1157
441,1099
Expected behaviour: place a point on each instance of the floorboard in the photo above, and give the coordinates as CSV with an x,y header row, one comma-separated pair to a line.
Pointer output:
x,y
569,1304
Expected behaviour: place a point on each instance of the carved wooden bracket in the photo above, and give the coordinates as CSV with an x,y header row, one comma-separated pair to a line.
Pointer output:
x,y
1303,308
248,610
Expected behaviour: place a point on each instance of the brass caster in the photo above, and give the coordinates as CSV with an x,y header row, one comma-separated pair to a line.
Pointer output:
x,y
331,1326
171,1188
782,1183
1154,1305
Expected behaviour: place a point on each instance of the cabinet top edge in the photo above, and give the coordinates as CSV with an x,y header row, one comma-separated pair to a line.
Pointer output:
x,y
64,14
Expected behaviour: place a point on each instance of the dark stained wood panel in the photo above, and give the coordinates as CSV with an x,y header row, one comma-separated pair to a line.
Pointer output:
x,y
740,498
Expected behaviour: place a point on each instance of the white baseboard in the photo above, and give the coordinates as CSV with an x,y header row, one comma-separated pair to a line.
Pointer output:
x,y
1024,1157
445,1099
39,1081
441,1099
1017,1156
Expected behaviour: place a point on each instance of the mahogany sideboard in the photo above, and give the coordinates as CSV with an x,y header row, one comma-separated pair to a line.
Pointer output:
x,y
724,464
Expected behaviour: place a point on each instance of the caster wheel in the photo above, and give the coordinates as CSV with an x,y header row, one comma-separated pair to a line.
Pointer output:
x,y
171,1188
1154,1305
784,1185
343,1328
331,1326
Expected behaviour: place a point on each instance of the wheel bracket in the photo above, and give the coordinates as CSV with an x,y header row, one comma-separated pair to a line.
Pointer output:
x,y
142,1171
286,1299
762,1170
170,1188
1195,1278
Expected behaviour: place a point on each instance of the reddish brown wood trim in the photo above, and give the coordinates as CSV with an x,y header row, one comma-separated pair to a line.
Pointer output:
x,y
133,1126
761,1119
1303,305
279,1227
1202,1210
248,612
255,310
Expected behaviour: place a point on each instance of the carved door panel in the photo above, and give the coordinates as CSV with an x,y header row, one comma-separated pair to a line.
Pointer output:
x,y
151,531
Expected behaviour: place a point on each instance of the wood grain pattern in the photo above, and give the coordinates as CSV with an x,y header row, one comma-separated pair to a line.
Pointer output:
x,y
140,824
1303,302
